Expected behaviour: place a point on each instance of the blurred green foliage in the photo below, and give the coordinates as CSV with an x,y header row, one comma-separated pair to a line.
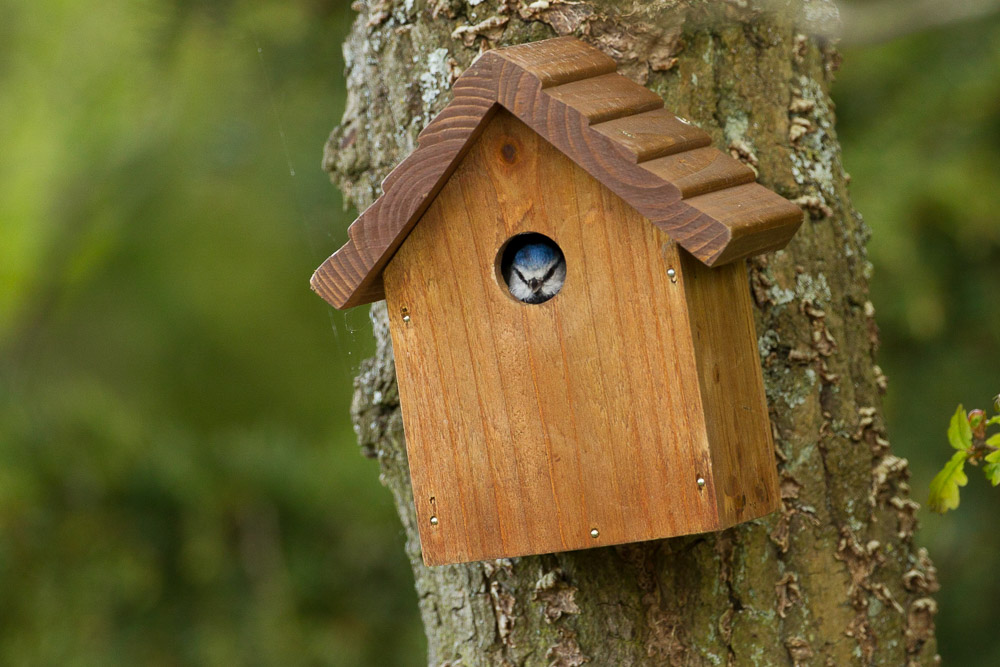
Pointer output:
x,y
919,120
179,483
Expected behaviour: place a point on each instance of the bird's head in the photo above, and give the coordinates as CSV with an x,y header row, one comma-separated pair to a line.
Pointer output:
x,y
535,264
533,267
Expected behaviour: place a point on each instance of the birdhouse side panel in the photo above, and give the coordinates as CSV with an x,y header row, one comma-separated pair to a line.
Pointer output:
x,y
732,386
534,428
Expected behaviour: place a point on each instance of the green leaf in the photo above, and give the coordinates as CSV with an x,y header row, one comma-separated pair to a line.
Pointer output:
x,y
944,486
993,440
992,466
959,431
995,419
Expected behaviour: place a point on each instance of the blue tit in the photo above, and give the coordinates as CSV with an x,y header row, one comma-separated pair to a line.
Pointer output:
x,y
537,270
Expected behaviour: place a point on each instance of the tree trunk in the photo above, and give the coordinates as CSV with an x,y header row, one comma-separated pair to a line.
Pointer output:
x,y
834,577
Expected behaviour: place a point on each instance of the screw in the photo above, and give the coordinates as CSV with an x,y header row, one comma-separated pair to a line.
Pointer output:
x,y
405,312
594,533
701,482
434,521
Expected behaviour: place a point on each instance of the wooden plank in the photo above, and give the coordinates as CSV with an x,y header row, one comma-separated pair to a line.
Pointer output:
x,y
653,134
605,98
700,171
558,61
755,216
532,425
663,411
732,389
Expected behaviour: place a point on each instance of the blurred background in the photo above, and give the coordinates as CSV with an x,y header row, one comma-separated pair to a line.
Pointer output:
x,y
179,483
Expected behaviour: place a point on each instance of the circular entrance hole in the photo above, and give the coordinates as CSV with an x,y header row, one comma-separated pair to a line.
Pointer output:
x,y
531,267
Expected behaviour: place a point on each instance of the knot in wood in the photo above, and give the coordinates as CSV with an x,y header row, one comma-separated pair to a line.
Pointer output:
x,y
508,152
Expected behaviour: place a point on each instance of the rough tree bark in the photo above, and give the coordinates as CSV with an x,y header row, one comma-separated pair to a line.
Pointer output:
x,y
834,577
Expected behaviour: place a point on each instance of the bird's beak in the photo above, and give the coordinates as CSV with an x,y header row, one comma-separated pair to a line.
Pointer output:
x,y
533,284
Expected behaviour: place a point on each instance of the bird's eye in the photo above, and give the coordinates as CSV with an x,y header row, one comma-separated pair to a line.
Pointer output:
x,y
550,272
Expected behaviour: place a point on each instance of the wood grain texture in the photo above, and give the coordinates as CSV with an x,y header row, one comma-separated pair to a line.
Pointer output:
x,y
606,97
569,93
557,61
528,426
729,375
754,215
653,134
700,171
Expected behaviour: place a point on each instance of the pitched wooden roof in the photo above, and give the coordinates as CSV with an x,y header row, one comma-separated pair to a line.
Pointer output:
x,y
615,129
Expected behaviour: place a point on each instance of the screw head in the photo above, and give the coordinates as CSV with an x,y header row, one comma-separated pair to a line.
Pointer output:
x,y
434,521
671,273
406,318
594,533
701,482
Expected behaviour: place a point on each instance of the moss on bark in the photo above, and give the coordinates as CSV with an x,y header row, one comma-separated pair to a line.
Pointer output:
x,y
834,577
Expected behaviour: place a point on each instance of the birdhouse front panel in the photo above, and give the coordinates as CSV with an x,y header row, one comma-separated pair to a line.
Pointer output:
x,y
580,421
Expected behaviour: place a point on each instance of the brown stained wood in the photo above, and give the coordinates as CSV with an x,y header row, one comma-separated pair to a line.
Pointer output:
x,y
729,372
558,88
607,97
353,275
700,171
558,61
653,134
755,216
528,426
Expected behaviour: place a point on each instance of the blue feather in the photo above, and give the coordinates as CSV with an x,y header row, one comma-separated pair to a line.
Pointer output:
x,y
534,256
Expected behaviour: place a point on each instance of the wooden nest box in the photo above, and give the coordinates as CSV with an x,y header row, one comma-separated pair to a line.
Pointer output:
x,y
628,407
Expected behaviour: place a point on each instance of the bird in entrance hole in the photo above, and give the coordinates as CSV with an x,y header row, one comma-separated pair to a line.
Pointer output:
x,y
535,269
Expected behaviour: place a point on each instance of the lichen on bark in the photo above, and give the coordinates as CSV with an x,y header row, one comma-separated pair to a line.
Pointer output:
x,y
834,577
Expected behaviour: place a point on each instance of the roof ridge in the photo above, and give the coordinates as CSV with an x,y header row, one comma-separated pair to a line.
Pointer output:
x,y
558,61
